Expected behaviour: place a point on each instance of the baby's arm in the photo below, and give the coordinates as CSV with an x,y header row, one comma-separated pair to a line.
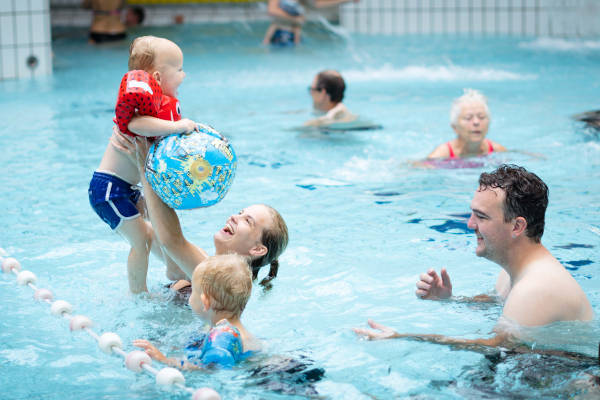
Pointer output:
x,y
145,125
156,355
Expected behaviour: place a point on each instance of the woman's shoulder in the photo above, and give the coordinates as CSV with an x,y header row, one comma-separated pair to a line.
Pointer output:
x,y
441,151
497,146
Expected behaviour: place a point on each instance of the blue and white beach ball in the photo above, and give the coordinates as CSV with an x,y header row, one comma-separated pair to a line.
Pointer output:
x,y
191,170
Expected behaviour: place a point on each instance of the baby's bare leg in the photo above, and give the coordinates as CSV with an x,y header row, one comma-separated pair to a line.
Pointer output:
x,y
136,232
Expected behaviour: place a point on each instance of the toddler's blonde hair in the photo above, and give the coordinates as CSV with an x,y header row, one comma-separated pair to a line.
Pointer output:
x,y
227,279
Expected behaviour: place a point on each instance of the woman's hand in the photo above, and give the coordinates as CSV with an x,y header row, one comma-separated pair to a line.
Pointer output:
x,y
136,148
151,350
381,332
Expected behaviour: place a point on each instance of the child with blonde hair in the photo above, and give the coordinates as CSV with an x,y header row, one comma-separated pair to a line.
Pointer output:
x,y
155,73
221,287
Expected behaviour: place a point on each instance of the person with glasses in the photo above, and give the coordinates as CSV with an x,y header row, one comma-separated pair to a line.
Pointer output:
x,y
327,92
470,119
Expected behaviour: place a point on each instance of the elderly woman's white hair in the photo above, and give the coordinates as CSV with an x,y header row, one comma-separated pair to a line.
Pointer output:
x,y
469,96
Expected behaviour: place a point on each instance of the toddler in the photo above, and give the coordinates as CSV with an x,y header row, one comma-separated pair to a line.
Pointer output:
x,y
113,192
221,287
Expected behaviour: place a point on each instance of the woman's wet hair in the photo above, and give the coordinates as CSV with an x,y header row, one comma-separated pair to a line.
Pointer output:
x,y
469,96
333,84
526,196
275,239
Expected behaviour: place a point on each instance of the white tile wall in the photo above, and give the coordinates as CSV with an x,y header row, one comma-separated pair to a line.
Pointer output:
x,y
561,18
564,18
25,36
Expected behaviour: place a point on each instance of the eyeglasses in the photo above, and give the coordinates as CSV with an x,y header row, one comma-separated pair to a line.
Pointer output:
x,y
314,89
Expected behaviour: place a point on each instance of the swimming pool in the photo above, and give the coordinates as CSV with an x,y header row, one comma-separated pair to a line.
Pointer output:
x,y
363,223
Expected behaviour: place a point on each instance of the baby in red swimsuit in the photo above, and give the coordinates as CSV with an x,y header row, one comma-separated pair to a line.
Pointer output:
x,y
150,87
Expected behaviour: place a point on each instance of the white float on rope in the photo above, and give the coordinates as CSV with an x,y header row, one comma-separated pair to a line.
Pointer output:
x,y
60,307
135,359
79,322
108,342
206,394
10,264
43,295
169,376
26,277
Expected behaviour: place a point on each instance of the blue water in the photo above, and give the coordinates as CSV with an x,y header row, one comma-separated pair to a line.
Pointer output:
x,y
363,222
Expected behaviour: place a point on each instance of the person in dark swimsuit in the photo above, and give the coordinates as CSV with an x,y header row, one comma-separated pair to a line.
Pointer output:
x,y
470,119
106,21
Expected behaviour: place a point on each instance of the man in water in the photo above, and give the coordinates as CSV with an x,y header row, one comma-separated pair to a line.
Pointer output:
x,y
507,215
327,92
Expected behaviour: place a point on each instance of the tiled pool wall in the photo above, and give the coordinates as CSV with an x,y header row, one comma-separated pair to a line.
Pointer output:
x,y
551,18
25,38
25,41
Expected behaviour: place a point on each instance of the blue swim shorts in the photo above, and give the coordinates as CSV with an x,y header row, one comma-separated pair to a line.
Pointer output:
x,y
282,37
113,199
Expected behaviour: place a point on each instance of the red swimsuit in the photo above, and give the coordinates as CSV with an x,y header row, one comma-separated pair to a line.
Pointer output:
x,y
453,156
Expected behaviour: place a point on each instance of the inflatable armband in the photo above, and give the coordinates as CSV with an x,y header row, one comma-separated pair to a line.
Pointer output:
x,y
140,93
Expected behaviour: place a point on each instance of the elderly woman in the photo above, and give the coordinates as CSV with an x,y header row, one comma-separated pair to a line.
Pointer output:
x,y
258,232
470,119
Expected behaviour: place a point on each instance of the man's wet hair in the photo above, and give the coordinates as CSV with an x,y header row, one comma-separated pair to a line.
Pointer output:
x,y
333,84
526,196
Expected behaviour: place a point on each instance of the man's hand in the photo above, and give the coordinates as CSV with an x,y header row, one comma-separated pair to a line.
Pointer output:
x,y
431,286
381,332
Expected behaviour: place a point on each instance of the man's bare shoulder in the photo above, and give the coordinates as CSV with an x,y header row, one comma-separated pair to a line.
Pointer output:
x,y
340,113
546,293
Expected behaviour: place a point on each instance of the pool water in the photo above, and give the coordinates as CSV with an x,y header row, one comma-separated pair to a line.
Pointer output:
x,y
363,222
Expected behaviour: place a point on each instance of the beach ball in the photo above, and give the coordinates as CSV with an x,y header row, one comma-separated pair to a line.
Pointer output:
x,y
191,170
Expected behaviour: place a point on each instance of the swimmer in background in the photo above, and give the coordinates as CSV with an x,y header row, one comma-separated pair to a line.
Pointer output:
x,y
286,28
327,92
288,18
508,217
221,287
106,20
134,16
470,119
107,25
112,192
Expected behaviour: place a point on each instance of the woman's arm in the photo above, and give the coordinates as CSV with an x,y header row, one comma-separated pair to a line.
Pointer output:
x,y
165,221
440,152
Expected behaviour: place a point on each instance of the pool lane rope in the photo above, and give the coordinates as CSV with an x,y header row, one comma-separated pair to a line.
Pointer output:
x,y
109,342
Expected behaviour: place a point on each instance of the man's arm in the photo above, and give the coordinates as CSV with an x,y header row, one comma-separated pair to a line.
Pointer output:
x,y
383,332
145,125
